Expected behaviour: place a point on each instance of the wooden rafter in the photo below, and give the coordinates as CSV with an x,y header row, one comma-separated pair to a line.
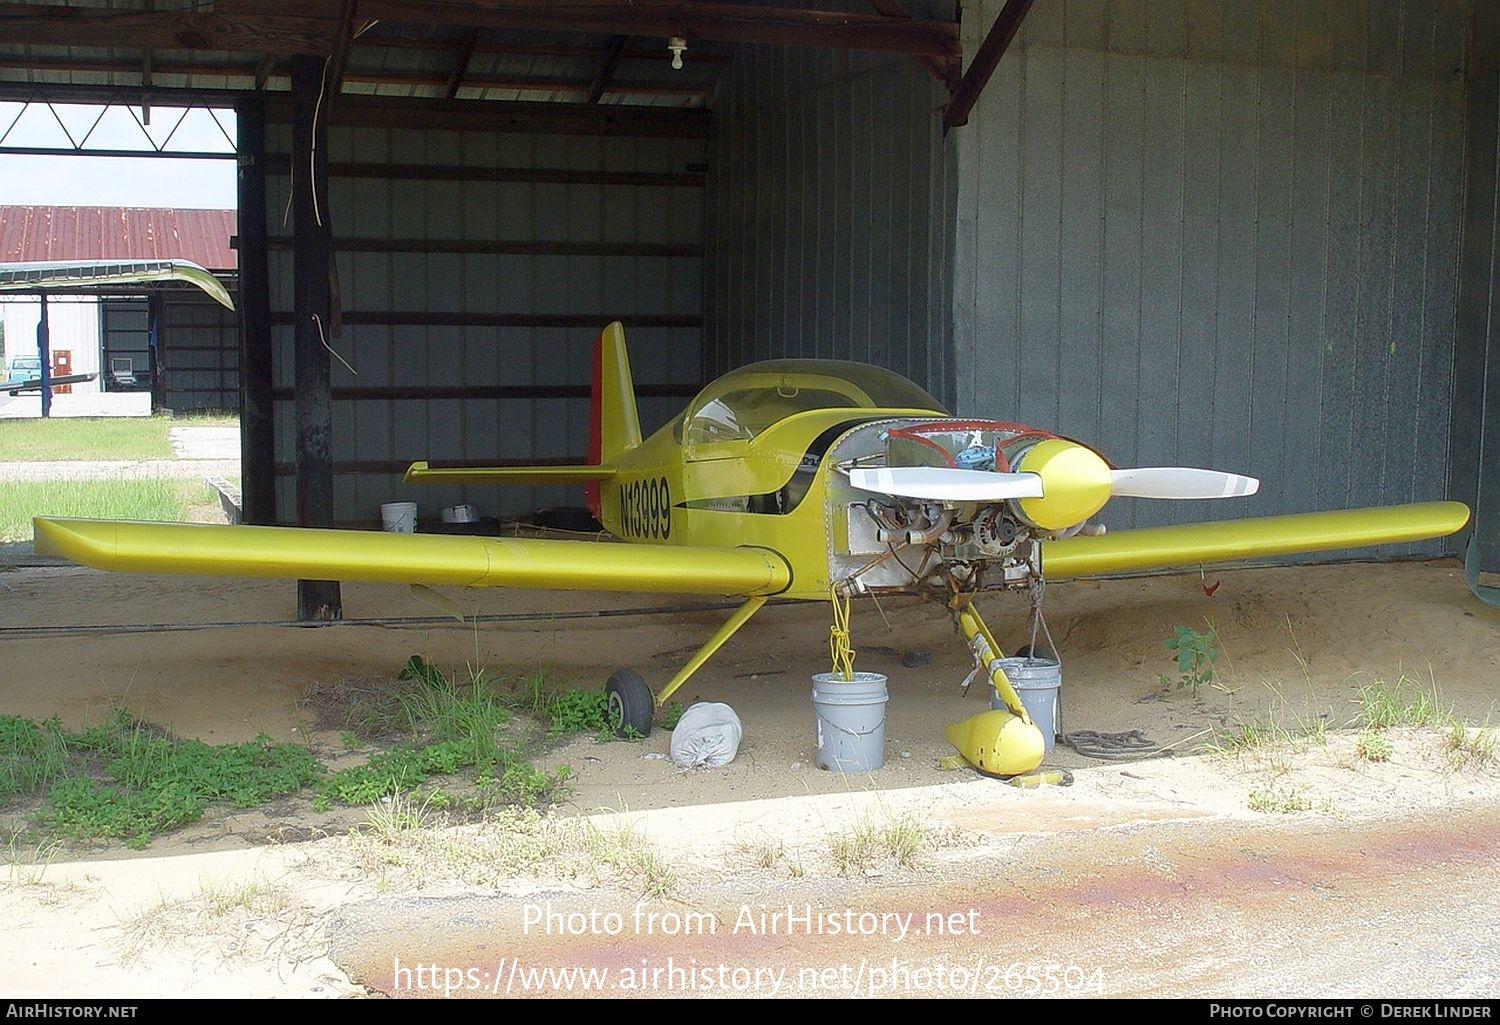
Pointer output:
x,y
986,59
52,25
724,22
254,27
461,63
898,9
263,69
340,58
515,48
507,117
613,53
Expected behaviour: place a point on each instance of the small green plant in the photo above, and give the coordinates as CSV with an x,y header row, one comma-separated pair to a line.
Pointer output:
x,y
898,841
29,868
854,851
32,755
633,856
253,895
1404,703
578,711
437,707
672,715
1196,651
396,813
532,698
760,854
1468,747
903,839
1373,747
1279,800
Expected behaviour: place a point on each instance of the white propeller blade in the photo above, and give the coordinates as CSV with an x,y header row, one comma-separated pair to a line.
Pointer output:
x,y
942,484
1180,482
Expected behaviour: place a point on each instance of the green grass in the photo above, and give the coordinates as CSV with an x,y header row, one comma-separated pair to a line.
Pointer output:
x,y
448,726
1405,703
126,780
157,500
124,437
129,780
1278,800
1472,747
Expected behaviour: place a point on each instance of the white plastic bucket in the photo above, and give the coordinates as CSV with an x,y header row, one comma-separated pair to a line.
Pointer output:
x,y
850,720
1037,682
399,517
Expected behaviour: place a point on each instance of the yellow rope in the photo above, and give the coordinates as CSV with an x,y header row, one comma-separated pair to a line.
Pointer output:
x,y
839,644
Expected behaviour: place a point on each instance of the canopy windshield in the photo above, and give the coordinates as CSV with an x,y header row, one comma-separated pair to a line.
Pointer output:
x,y
744,402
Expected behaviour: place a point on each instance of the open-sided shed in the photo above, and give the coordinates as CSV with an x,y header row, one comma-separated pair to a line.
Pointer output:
x,y
1252,234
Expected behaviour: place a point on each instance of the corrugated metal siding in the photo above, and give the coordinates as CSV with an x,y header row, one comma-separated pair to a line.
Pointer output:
x,y
1221,235
1476,436
831,195
30,233
483,430
200,344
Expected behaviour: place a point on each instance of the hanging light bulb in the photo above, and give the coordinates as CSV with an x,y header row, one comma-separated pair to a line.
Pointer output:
x,y
677,44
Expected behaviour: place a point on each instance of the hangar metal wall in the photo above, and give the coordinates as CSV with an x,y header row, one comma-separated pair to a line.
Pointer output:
x,y
200,351
475,270
1476,429
1224,235
830,196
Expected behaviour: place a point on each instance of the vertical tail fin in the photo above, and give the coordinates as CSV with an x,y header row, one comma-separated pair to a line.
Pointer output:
x,y
614,424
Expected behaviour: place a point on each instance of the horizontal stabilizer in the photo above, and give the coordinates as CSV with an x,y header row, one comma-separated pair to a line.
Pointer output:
x,y
297,553
1194,543
425,473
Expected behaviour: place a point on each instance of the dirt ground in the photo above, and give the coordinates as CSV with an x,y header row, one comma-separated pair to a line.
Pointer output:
x,y
1297,645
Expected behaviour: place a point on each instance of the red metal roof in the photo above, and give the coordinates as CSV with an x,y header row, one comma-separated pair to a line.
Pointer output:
x,y
30,233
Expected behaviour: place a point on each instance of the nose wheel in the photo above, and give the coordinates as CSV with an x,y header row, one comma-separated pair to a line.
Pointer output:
x,y
629,704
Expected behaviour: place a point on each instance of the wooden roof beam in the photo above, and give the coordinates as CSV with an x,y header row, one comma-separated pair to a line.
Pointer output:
x,y
334,73
938,69
723,22
986,59
115,28
461,62
612,56
507,116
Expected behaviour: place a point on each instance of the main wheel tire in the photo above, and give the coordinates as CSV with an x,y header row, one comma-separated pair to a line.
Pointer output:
x,y
629,704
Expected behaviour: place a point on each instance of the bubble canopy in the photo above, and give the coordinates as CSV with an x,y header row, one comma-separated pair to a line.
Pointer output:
x,y
744,402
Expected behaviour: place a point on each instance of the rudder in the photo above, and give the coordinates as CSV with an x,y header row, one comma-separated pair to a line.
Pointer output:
x,y
614,421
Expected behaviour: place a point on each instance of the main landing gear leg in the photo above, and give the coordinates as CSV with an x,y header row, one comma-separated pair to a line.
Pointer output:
x,y
631,704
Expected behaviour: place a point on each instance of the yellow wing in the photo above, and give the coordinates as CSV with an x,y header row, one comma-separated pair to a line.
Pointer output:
x,y
1193,543
294,553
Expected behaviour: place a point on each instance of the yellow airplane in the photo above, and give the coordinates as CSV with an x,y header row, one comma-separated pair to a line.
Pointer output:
x,y
798,478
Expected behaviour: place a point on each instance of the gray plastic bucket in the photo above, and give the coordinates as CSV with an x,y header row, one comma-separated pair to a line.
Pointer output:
x,y
850,720
1037,682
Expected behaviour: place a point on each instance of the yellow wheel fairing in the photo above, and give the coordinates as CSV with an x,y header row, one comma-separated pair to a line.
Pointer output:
x,y
997,743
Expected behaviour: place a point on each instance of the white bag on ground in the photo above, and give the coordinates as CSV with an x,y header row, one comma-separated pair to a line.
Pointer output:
x,y
707,734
